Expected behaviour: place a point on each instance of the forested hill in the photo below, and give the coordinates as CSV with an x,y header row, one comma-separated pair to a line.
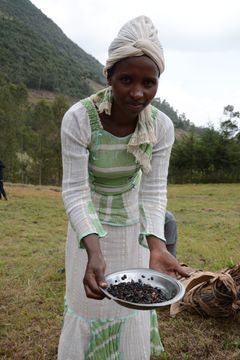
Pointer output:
x,y
35,51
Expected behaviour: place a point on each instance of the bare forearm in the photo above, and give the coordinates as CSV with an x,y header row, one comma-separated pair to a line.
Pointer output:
x,y
94,274
92,244
155,244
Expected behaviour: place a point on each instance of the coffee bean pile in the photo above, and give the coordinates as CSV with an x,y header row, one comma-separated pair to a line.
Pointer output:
x,y
137,292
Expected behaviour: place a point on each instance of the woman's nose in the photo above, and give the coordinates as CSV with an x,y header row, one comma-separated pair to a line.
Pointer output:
x,y
136,92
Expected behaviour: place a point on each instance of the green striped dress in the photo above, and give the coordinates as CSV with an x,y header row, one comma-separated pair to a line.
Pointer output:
x,y
105,192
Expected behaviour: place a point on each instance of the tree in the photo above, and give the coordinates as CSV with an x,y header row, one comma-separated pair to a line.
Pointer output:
x,y
42,126
183,163
59,107
179,121
13,104
230,128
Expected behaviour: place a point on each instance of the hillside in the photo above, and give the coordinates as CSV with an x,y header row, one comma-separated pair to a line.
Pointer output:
x,y
35,51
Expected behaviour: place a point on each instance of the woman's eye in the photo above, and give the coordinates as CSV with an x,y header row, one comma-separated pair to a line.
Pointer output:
x,y
149,83
125,80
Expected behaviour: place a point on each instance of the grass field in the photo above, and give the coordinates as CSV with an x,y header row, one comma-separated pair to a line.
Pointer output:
x,y
33,228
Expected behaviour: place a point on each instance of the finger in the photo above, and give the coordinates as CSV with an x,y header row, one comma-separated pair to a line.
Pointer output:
x,y
102,282
91,285
93,295
100,279
181,271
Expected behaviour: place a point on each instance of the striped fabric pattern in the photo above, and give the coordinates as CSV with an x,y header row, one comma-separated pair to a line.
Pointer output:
x,y
109,182
86,180
104,342
105,336
155,340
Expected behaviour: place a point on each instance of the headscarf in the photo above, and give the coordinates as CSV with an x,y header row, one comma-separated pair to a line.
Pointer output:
x,y
136,38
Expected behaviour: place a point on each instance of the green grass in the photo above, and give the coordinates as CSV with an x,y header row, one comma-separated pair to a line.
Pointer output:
x,y
33,231
209,224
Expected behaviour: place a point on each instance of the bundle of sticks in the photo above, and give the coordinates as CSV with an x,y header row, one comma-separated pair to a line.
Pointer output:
x,y
207,293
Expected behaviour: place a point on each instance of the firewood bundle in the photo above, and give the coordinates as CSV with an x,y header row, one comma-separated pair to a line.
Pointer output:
x,y
211,294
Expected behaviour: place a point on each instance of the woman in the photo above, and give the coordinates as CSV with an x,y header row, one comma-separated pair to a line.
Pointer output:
x,y
116,150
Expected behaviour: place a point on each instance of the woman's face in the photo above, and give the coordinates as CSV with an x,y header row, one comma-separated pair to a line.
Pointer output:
x,y
134,82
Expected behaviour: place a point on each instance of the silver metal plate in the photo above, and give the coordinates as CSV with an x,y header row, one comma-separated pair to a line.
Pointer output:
x,y
172,288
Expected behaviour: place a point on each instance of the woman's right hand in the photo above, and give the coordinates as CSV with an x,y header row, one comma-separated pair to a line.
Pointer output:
x,y
94,277
95,270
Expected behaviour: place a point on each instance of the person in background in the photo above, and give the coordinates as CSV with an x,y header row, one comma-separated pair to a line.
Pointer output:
x,y
2,191
170,232
116,148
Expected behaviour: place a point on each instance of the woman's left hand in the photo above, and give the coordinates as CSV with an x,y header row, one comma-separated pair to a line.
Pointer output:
x,y
165,262
161,259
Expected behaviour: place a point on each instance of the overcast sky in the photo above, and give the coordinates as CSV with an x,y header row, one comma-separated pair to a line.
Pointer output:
x,y
201,41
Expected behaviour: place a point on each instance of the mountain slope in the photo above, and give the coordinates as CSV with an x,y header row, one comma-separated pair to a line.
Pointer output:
x,y
35,51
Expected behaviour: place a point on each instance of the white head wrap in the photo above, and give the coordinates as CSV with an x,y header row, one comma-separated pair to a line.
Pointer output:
x,y
136,38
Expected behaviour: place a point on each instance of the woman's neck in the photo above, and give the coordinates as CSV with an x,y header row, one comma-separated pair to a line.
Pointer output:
x,y
118,123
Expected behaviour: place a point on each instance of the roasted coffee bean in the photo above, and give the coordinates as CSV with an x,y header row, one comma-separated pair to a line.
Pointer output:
x,y
124,277
138,292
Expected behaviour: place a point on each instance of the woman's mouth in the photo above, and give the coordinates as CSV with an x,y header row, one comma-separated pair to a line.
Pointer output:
x,y
136,106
